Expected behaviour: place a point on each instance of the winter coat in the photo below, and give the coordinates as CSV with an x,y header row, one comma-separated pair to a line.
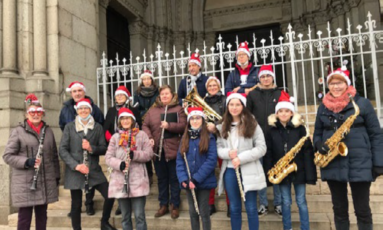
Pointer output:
x,y
276,139
23,144
68,113
152,128
144,103
364,142
138,176
234,80
217,103
261,103
250,151
71,153
201,87
202,166
112,117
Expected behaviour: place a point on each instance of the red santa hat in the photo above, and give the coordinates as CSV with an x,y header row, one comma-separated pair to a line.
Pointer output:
x,y
195,111
213,78
243,47
240,96
195,59
83,102
146,73
266,69
122,90
343,72
125,112
75,84
31,99
285,102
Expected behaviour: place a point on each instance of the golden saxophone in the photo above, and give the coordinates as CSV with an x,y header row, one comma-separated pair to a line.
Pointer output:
x,y
334,142
284,166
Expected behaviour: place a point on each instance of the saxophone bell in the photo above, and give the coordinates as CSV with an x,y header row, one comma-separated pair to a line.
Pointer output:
x,y
342,149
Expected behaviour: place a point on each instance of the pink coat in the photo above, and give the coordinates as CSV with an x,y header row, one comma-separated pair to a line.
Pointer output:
x,y
138,176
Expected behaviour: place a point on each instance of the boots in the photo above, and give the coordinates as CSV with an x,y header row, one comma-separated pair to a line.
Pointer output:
x,y
175,212
106,226
342,225
162,211
364,226
212,209
90,210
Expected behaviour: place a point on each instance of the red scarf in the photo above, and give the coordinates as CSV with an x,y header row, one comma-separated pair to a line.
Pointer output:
x,y
337,104
245,71
36,129
124,137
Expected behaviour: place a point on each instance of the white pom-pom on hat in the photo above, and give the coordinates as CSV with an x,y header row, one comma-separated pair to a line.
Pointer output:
x,y
292,99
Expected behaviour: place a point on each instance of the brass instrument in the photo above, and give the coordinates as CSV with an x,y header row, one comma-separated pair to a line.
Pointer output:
x,y
284,166
193,99
334,142
254,87
192,190
237,172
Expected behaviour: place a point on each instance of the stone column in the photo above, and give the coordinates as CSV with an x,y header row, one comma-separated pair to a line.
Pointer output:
x,y
40,38
9,37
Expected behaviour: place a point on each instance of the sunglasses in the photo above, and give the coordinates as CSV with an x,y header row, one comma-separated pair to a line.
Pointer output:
x,y
38,111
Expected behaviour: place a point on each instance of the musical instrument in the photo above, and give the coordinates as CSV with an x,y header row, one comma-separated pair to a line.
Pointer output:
x,y
192,190
237,172
284,166
39,156
162,136
85,161
126,170
334,142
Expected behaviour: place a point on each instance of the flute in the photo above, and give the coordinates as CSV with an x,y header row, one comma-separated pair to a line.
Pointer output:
x,y
39,155
237,172
126,171
192,190
162,136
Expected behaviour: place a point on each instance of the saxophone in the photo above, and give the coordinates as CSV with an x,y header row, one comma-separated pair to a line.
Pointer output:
x,y
283,167
334,142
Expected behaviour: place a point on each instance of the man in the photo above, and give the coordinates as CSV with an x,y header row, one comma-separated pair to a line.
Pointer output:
x,y
244,76
261,102
68,114
195,78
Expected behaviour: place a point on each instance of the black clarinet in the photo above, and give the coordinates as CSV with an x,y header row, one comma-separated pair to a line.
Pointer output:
x,y
86,163
126,171
39,155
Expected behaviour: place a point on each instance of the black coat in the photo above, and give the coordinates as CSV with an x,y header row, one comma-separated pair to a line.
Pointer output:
x,y
217,103
144,103
112,116
201,87
276,139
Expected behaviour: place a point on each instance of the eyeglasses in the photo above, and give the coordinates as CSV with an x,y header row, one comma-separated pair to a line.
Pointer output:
x,y
39,112
340,83
265,76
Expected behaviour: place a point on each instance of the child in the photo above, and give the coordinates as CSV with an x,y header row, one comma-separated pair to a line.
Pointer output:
x,y
201,153
287,129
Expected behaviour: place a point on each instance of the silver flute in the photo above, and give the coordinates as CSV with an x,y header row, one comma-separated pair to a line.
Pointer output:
x,y
162,136
39,155
237,172
192,190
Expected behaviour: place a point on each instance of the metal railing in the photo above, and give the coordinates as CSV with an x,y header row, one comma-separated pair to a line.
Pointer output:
x,y
304,64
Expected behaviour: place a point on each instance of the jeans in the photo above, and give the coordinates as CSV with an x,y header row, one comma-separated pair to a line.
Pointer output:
x,y
76,196
202,197
231,185
300,198
25,217
360,192
167,176
137,205
277,196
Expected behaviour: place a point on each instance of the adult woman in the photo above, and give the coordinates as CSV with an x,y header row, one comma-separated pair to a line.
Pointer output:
x,y
146,93
165,164
243,148
84,136
201,154
364,141
21,154
128,151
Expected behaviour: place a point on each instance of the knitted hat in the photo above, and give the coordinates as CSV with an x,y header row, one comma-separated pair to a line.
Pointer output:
x,y
240,96
85,101
343,72
285,102
195,59
266,69
122,90
75,84
243,48
146,73
213,78
193,111
125,112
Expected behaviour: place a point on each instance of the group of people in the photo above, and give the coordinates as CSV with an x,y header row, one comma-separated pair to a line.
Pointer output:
x,y
258,127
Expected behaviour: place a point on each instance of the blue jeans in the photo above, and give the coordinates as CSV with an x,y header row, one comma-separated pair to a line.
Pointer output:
x,y
137,206
232,189
300,197
277,196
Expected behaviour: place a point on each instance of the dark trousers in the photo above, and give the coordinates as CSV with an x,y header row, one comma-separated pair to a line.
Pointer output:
x,y
76,196
25,217
167,176
149,168
360,192
89,197
202,197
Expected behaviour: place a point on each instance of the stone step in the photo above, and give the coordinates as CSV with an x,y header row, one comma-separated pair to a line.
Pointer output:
x,y
5,227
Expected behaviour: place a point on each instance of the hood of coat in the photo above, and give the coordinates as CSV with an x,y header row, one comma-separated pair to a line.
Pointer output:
x,y
296,120
172,103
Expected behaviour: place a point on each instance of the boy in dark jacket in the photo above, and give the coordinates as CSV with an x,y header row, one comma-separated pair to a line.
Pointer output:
x,y
287,129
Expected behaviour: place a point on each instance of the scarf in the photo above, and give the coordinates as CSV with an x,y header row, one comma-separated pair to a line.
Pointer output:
x,y
36,129
194,133
337,104
243,73
191,82
124,138
148,91
84,127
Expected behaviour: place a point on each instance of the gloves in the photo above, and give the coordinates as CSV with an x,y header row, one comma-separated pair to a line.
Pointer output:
x,y
30,163
321,147
377,171
122,166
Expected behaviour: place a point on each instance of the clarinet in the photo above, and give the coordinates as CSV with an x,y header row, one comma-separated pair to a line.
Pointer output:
x,y
126,171
237,173
39,155
192,190
162,136
86,163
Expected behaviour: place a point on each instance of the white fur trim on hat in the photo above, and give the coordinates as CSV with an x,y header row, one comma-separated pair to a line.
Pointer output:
x,y
76,85
196,113
215,79
340,73
267,72
236,96
125,114
284,105
243,50
196,62
83,103
121,92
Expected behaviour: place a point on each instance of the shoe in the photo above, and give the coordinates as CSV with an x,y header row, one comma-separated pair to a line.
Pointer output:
x,y
278,210
228,211
162,211
69,215
90,210
212,209
263,210
175,213
107,226
118,211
